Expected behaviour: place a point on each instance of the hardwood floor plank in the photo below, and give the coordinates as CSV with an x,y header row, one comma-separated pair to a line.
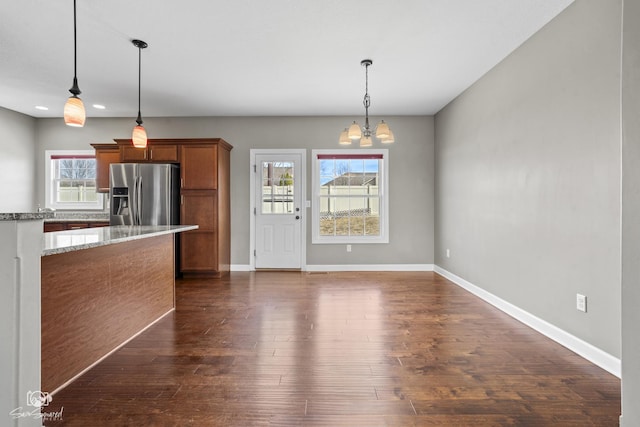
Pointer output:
x,y
338,349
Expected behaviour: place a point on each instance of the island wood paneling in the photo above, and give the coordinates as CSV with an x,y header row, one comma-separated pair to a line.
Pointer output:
x,y
94,300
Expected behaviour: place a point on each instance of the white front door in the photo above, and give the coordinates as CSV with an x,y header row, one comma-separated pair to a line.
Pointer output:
x,y
278,184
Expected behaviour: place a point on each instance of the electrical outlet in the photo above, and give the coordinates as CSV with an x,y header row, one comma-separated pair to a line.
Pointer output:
x,y
448,253
581,303
348,248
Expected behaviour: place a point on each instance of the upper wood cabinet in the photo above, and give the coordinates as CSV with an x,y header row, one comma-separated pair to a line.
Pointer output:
x,y
105,155
152,153
199,167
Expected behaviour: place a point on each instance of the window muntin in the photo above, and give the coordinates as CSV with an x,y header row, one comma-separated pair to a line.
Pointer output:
x,y
71,180
350,202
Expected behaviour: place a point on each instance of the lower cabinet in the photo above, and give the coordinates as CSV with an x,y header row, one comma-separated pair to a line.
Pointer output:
x,y
198,252
66,225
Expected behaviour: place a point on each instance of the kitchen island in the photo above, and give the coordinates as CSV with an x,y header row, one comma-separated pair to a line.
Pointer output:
x,y
100,288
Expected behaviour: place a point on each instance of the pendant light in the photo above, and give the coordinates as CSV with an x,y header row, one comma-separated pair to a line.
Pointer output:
x,y
74,114
364,134
139,135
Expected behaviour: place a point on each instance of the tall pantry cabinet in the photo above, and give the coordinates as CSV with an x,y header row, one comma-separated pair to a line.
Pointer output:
x,y
204,197
205,200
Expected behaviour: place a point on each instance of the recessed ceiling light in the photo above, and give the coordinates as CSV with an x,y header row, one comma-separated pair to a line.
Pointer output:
x,y
99,106
41,107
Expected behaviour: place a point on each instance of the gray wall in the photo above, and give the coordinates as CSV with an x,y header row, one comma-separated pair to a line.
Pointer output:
x,y
631,215
528,176
17,169
411,173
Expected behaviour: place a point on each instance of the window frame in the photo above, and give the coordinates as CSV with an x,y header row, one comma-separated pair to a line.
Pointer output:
x,y
383,194
50,182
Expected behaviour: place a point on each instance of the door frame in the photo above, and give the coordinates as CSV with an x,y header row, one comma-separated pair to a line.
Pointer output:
x,y
305,204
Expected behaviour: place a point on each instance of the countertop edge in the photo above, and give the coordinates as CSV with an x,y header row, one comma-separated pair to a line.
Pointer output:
x,y
142,234
24,216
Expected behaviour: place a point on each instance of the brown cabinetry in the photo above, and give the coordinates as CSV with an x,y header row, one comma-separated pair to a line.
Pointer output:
x,y
153,153
205,201
105,155
68,225
204,198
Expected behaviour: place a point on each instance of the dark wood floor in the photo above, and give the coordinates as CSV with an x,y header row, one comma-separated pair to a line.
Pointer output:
x,y
338,349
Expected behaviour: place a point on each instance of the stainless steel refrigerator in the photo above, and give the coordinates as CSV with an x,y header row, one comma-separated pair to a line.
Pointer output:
x,y
144,194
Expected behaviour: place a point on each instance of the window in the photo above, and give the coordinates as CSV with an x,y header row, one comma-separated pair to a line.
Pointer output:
x,y
350,191
71,180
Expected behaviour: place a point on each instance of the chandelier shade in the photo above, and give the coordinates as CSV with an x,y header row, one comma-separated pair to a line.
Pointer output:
x,y
344,137
364,133
366,141
354,131
382,130
389,139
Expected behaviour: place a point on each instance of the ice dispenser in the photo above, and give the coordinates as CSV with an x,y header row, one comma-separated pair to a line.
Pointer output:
x,y
120,201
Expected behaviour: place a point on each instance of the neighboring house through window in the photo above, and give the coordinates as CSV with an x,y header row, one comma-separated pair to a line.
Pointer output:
x,y
350,191
71,180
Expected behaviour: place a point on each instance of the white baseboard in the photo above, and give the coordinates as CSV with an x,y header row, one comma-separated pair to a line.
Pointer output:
x,y
593,354
371,267
349,267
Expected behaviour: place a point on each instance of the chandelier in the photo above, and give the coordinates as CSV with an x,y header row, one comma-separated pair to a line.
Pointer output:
x,y
364,133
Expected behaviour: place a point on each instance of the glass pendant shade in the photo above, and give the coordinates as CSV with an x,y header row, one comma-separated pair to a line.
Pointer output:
x,y
366,141
139,137
74,114
382,130
354,131
344,138
389,139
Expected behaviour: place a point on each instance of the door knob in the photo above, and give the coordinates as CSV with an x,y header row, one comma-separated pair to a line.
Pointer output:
x,y
297,216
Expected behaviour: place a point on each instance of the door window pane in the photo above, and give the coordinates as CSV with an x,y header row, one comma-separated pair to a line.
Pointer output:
x,y
277,188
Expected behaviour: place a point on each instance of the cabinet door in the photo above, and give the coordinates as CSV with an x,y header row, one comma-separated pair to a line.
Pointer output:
x,y
54,226
163,153
98,224
132,154
104,158
199,209
198,252
77,225
199,167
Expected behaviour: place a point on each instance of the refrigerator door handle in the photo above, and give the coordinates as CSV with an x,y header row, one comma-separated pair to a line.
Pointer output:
x,y
139,200
134,202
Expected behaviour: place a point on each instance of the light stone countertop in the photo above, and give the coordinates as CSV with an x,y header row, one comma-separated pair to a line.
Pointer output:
x,y
24,216
79,216
58,242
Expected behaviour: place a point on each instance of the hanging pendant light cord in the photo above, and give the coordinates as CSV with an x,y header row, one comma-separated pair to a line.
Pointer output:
x,y
75,90
139,119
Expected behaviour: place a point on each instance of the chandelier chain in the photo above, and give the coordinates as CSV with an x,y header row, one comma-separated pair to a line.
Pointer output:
x,y
367,100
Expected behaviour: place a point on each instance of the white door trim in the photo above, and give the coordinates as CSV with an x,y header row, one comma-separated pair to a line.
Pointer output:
x,y
305,211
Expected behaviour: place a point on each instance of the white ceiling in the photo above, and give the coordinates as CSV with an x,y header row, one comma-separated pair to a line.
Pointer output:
x,y
257,57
